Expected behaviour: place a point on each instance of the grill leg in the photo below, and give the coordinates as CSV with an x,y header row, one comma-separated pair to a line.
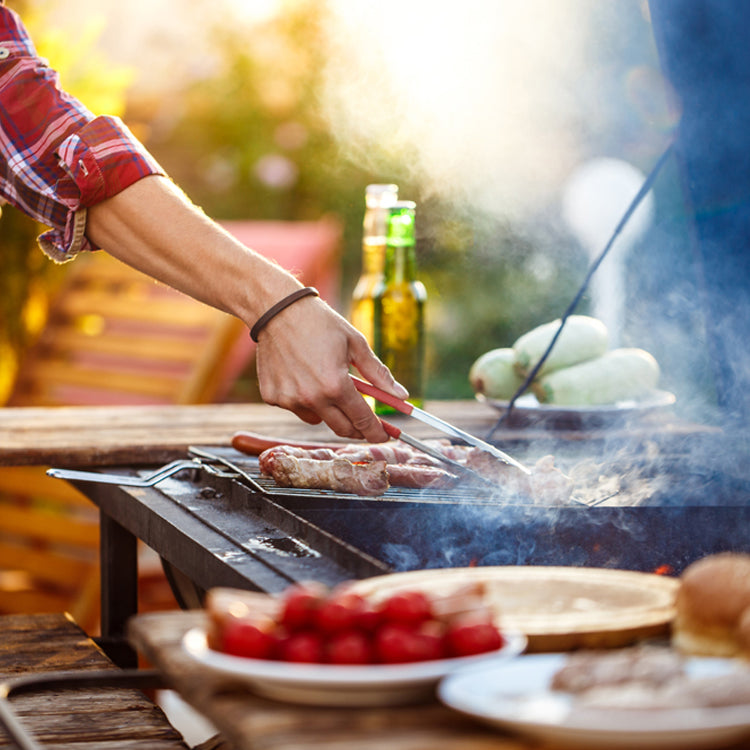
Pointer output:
x,y
119,598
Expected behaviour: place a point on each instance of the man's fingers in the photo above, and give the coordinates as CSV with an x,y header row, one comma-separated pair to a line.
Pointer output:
x,y
361,416
347,413
374,371
308,416
330,410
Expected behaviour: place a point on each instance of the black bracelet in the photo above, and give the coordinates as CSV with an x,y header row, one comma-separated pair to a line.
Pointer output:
x,y
308,291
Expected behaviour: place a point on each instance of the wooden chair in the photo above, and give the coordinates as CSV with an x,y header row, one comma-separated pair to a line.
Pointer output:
x,y
114,336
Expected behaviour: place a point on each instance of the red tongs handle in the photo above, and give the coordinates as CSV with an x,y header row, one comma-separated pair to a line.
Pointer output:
x,y
391,430
372,390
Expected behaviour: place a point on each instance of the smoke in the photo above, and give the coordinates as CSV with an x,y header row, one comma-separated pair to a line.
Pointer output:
x,y
595,198
494,105
481,98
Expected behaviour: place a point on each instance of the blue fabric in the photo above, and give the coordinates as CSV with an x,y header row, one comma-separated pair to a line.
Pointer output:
x,y
704,48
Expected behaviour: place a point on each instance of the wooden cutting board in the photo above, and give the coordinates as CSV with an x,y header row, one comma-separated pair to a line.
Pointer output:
x,y
557,608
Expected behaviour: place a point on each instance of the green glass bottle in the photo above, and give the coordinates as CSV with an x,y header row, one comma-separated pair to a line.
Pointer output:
x,y
399,331
377,200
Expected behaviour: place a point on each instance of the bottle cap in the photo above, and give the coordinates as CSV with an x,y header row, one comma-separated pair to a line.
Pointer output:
x,y
381,195
401,221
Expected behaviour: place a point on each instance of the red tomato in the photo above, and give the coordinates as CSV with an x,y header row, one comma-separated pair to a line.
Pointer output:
x,y
300,604
467,638
303,646
339,612
407,607
250,639
350,647
396,643
432,636
369,618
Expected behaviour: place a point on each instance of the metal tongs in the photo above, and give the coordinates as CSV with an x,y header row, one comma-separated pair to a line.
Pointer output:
x,y
201,460
440,424
121,479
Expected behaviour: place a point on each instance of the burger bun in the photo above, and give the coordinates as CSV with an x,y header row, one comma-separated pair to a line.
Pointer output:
x,y
713,607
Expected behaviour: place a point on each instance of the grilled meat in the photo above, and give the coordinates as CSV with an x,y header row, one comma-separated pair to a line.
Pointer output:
x,y
338,474
417,476
545,485
392,453
585,670
645,677
407,467
290,466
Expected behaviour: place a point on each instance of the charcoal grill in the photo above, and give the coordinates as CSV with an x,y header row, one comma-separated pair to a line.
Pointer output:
x,y
218,522
660,514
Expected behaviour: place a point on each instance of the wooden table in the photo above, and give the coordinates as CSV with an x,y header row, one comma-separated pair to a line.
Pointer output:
x,y
117,436
114,435
95,718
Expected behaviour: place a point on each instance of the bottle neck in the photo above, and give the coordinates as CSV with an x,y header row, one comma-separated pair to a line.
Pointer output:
x,y
400,264
373,256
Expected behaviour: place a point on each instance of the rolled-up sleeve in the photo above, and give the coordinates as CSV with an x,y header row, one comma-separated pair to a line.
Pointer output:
x,y
56,158
99,160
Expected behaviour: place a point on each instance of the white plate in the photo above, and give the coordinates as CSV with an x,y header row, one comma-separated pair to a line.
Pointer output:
x,y
527,410
334,685
515,696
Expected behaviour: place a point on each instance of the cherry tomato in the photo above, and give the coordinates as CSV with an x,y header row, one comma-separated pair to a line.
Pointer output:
x,y
369,618
432,637
302,646
300,604
339,612
396,643
467,638
251,639
407,607
349,647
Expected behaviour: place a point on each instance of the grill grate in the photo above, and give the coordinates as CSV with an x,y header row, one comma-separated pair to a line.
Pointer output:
x,y
248,469
452,496
660,482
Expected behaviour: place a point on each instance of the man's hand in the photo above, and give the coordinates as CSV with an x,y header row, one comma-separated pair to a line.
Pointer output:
x,y
304,356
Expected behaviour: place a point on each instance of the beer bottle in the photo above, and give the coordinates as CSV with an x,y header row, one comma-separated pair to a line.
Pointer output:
x,y
399,306
377,200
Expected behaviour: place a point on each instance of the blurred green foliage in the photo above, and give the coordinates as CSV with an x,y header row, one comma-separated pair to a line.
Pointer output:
x,y
494,285
249,140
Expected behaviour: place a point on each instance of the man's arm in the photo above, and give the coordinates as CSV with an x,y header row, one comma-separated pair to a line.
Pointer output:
x,y
303,353
95,185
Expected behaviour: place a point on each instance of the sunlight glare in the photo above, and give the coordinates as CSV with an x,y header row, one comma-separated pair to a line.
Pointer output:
x,y
256,11
481,89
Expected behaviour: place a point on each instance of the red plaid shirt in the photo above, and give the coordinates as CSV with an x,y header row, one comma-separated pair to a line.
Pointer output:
x,y
56,157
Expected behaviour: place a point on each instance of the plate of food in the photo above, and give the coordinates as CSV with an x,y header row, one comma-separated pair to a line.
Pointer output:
x,y
340,685
332,646
581,381
642,696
